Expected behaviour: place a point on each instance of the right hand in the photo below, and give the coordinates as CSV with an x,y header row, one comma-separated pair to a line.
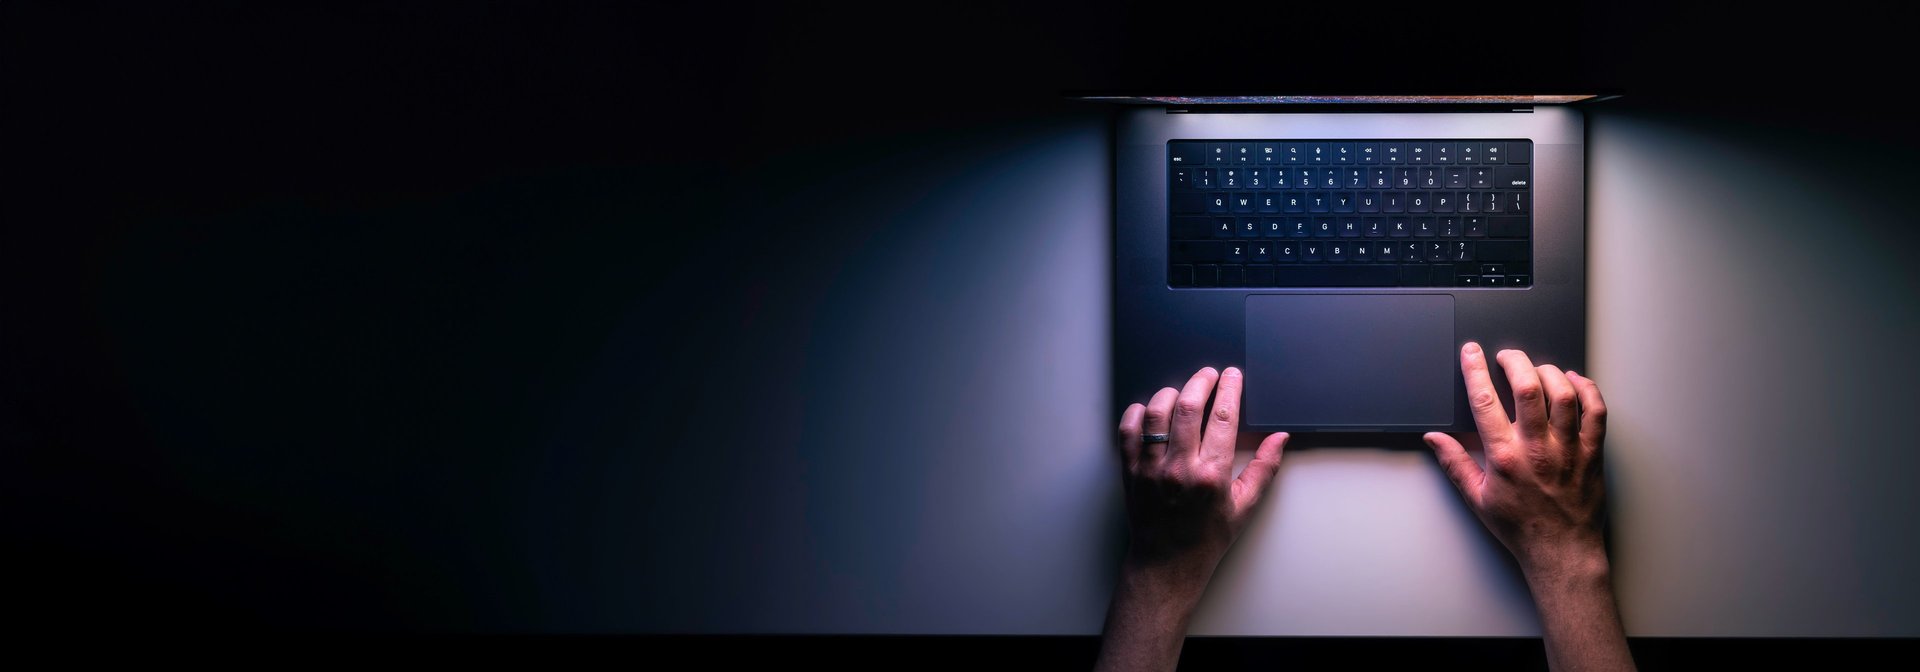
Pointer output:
x,y
1542,489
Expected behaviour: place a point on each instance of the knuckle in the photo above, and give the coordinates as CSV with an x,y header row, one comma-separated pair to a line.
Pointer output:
x,y
1222,413
1509,461
1186,408
1527,391
1484,399
1157,417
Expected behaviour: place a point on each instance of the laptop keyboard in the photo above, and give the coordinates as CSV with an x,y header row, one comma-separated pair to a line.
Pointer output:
x,y
1350,213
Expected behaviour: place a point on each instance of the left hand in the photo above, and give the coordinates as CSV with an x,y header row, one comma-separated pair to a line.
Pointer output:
x,y
1184,505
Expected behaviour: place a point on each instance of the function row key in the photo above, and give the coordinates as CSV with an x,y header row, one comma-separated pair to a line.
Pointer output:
x,y
1482,152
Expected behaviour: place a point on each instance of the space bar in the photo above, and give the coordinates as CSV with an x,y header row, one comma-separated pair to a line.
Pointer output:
x,y
1373,275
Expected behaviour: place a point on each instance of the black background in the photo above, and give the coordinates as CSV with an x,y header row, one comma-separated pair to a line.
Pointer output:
x,y
287,284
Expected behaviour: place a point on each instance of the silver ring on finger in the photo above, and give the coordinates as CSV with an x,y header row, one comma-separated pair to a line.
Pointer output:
x,y
1154,438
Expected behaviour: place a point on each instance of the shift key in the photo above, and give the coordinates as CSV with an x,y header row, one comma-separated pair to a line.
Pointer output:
x,y
1500,250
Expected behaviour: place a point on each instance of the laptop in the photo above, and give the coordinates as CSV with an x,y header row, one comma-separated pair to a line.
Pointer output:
x,y
1341,250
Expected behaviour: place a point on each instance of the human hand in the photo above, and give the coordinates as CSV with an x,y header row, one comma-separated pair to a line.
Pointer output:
x,y
1184,505
1184,509
1542,489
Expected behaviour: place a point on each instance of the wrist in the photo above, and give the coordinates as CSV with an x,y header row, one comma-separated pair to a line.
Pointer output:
x,y
1578,567
1173,581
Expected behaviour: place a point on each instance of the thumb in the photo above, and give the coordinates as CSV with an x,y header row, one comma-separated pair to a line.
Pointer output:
x,y
1253,480
1460,467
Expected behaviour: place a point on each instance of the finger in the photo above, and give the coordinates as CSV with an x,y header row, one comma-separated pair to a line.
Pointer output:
x,y
1223,424
1563,404
1529,398
1130,423
1189,411
1488,416
1593,412
1253,480
1458,465
1158,416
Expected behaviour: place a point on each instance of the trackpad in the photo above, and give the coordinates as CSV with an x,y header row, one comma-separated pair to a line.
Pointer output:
x,y
1349,361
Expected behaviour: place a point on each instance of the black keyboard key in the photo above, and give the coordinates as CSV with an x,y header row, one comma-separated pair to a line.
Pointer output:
x,y
1356,177
1187,154
1343,201
1470,201
1260,252
1362,251
1286,252
1317,153
1293,202
1445,201
1230,276
1369,201
1197,251
1443,152
1343,152
1393,201
1380,178
1506,227
1501,250
1323,227
1242,202
1423,227
1268,202
1343,275
1243,152
1412,251
1467,280
1436,251
1403,178
1259,276
1414,275
1369,152
1442,275
1258,177
1191,202
1511,177
1233,177
1386,251
1206,276
1429,178
1236,253
1223,227
1319,202
1469,152
1419,202
1519,203
1399,227
1349,227
1460,251
1476,227
1273,227
1519,152
1456,177
1312,251
1268,153
1493,203
1493,153
1519,280
1182,276
1291,153
1218,152
1393,152
1375,227
1206,178
1449,227
1247,227
1337,251
1480,177
1419,152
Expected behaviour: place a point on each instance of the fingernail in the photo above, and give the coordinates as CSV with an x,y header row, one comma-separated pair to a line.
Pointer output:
x,y
1472,348
1232,371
